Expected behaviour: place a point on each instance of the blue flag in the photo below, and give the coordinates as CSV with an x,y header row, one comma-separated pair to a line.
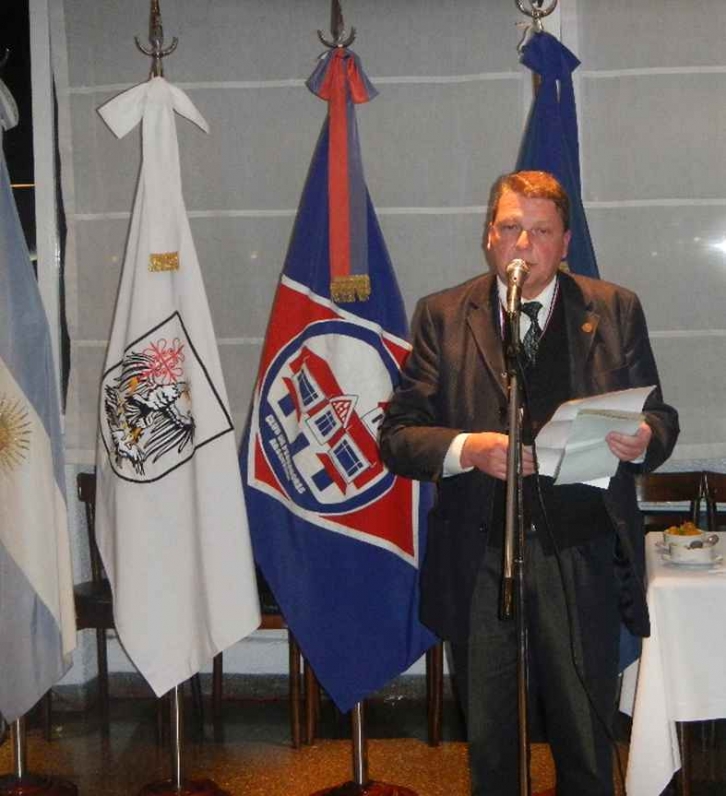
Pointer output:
x,y
338,537
551,144
550,140
37,618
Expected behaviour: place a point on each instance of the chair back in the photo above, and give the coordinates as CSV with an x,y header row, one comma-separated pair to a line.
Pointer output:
x,y
686,489
86,487
715,487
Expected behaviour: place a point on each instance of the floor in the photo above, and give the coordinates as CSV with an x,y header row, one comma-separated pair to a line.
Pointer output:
x,y
252,755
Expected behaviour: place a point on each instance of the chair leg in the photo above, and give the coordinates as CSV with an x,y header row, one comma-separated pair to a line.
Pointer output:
x,y
684,775
103,698
435,692
217,688
312,704
294,666
46,710
162,704
198,702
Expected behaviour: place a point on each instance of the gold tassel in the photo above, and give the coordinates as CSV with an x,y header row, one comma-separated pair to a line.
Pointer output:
x,y
164,261
564,267
346,289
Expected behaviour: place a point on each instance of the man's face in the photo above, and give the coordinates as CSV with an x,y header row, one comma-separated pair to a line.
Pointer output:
x,y
531,230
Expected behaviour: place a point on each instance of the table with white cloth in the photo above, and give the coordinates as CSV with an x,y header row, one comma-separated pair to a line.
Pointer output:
x,y
680,675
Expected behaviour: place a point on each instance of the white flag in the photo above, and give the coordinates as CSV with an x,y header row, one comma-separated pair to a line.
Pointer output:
x,y
170,515
37,620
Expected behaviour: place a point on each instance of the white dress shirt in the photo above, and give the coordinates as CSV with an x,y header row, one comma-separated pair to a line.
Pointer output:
x,y
452,460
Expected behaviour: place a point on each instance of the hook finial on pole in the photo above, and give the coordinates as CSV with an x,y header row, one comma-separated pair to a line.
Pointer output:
x,y
536,12
337,29
156,37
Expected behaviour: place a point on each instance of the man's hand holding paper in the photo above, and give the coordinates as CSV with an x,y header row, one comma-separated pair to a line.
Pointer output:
x,y
629,447
587,438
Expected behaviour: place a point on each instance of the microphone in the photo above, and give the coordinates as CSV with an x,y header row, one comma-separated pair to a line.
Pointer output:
x,y
517,273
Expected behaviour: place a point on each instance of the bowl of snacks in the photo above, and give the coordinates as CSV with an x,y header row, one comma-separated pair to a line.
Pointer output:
x,y
705,554
682,535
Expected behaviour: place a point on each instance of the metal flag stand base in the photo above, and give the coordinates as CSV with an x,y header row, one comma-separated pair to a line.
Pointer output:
x,y
178,785
371,789
197,787
31,785
21,783
362,786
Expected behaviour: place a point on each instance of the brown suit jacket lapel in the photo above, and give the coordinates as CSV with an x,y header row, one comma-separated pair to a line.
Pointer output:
x,y
480,318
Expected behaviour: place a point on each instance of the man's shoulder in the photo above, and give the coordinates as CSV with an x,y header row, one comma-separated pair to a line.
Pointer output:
x,y
597,290
474,290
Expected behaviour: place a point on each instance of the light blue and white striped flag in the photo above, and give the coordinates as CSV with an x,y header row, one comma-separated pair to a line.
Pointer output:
x,y
37,620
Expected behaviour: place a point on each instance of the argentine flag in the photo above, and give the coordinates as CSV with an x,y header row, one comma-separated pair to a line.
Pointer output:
x,y
37,619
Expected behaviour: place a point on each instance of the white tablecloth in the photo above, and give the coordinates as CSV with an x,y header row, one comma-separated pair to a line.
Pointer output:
x,y
681,673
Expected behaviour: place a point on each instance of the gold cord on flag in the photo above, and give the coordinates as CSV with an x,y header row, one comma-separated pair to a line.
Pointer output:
x,y
164,261
346,289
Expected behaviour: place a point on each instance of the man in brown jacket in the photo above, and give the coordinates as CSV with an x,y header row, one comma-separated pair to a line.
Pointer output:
x,y
584,545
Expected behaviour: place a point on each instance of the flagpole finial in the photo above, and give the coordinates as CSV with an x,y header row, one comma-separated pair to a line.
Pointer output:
x,y
337,28
156,37
536,12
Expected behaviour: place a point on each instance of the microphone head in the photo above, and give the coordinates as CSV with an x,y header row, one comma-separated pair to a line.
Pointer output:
x,y
517,271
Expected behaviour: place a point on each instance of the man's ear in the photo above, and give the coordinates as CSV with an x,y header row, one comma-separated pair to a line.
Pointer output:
x,y
566,246
488,239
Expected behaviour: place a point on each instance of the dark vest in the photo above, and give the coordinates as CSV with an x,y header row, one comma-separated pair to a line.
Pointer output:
x,y
574,513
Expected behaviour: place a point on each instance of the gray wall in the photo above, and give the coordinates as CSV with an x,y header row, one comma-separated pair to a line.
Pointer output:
x,y
652,102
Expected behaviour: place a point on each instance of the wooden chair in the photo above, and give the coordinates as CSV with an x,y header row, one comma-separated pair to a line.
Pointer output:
x,y
670,498
272,619
94,605
435,692
715,489
434,696
94,610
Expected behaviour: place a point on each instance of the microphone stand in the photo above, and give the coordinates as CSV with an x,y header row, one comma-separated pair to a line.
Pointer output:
x,y
512,603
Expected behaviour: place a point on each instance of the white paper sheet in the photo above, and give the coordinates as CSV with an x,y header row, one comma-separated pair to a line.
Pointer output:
x,y
571,448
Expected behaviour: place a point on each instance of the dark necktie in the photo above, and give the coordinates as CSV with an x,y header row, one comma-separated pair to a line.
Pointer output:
x,y
530,342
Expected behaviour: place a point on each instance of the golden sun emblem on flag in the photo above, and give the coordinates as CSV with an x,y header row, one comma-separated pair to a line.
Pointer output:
x,y
14,434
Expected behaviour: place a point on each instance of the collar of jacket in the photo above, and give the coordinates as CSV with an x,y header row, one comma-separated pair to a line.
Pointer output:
x,y
580,318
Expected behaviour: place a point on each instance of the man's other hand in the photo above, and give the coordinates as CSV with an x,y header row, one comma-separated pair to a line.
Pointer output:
x,y
487,451
628,447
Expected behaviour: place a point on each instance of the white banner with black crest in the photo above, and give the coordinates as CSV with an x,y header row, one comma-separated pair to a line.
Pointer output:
x,y
171,521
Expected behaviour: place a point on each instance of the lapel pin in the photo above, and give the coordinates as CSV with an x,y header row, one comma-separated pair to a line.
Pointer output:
x,y
587,327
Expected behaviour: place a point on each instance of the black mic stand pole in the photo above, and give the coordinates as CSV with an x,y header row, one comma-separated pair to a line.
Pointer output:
x,y
512,595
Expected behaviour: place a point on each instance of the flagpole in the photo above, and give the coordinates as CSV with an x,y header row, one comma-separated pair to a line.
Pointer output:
x,y
360,745
177,738
361,785
20,782
178,784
